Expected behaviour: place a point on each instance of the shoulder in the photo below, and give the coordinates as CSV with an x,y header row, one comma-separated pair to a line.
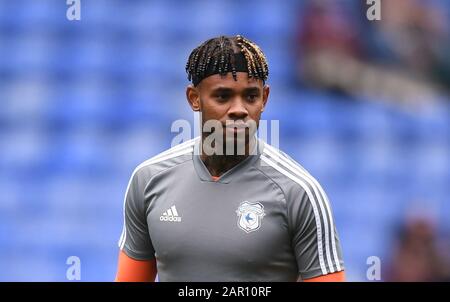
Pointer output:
x,y
165,160
288,174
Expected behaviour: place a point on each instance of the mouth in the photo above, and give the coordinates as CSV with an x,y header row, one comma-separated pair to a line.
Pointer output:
x,y
237,125
236,128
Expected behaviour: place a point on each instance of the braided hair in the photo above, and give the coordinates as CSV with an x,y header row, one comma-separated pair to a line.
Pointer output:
x,y
223,54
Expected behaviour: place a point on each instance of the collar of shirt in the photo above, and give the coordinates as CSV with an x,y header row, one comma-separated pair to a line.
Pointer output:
x,y
203,172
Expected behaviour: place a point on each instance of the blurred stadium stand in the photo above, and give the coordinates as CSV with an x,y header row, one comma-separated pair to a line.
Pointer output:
x,y
84,102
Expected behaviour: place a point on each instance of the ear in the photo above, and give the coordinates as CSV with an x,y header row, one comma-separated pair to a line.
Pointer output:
x,y
266,91
193,97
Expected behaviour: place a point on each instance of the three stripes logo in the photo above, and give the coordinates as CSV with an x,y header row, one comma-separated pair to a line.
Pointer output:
x,y
170,215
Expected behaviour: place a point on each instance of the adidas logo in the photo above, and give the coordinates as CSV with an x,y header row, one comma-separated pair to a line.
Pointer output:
x,y
170,215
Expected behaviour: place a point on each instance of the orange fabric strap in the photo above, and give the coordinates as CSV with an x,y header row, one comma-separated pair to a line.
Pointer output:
x,y
333,277
131,270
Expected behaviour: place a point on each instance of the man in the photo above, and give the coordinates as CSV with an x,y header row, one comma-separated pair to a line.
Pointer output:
x,y
204,211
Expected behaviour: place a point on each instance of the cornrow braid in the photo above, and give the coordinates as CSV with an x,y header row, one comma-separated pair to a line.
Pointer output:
x,y
223,54
259,67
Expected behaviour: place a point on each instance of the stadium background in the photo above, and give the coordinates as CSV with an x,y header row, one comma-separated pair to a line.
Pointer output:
x,y
84,102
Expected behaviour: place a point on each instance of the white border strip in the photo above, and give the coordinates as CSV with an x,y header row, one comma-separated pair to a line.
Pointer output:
x,y
321,199
181,151
311,198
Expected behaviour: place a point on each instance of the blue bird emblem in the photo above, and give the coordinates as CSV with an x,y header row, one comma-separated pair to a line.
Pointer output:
x,y
250,215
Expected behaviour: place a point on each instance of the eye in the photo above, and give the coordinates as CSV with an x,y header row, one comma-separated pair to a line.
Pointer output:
x,y
222,97
252,97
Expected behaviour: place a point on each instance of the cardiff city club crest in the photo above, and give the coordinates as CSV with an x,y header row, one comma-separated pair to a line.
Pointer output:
x,y
250,215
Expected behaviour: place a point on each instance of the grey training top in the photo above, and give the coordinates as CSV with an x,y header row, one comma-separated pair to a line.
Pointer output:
x,y
266,219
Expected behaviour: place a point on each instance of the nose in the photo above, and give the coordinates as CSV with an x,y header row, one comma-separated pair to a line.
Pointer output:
x,y
237,110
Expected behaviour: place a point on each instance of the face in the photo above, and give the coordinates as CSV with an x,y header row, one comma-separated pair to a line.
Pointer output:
x,y
237,105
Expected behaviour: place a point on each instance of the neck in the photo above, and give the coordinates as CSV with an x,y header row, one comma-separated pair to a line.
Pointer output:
x,y
220,164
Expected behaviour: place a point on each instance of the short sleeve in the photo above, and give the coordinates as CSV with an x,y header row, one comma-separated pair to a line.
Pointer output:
x,y
135,240
314,235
